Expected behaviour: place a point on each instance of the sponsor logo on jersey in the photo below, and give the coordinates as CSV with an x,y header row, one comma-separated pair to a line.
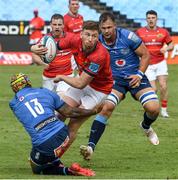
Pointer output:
x,y
124,51
93,67
120,62
160,35
21,98
152,43
132,36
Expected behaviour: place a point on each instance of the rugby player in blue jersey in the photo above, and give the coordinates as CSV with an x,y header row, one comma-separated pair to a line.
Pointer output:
x,y
129,60
35,109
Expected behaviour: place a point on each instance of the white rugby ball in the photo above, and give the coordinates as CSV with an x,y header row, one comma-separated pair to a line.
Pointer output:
x,y
49,42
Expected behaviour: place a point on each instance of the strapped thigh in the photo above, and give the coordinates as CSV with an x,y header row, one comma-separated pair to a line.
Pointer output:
x,y
113,98
147,97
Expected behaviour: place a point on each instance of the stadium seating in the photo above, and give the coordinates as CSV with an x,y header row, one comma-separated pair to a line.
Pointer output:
x,y
136,9
23,10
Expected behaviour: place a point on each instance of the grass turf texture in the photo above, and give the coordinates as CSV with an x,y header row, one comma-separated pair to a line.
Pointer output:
x,y
123,152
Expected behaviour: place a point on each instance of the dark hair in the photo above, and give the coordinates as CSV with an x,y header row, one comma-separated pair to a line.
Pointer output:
x,y
151,12
71,0
90,25
57,16
105,16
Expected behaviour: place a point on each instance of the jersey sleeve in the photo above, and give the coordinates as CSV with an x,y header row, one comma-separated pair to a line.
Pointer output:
x,y
168,38
96,63
133,40
67,42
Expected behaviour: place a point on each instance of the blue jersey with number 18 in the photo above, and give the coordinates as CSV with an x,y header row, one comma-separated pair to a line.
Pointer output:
x,y
34,108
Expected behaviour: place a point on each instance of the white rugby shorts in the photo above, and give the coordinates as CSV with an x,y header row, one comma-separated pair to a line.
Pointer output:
x,y
155,70
60,87
87,97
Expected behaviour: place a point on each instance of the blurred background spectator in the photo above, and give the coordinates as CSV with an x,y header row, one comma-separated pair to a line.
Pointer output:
x,y
36,27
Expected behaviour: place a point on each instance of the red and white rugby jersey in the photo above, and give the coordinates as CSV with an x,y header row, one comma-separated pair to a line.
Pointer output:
x,y
73,23
61,65
154,41
96,64
37,23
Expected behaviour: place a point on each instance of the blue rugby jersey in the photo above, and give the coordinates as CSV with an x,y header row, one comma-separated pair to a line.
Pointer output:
x,y
32,106
124,61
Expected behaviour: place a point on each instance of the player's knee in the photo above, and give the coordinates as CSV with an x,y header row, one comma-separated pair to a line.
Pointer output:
x,y
36,169
152,108
111,102
163,87
108,108
153,111
150,103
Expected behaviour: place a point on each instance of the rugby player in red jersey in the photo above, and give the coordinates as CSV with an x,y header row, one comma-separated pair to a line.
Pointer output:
x,y
73,21
62,62
95,81
36,26
155,38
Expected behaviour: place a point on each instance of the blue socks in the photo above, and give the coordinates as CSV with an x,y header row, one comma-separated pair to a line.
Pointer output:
x,y
97,130
146,123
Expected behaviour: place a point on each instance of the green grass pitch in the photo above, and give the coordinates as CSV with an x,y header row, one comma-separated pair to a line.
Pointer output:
x,y
123,152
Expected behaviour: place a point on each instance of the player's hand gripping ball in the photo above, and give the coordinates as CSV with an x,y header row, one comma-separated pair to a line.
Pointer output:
x,y
50,44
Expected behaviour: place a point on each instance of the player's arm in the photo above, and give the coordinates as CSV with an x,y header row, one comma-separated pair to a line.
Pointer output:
x,y
168,47
38,60
69,41
75,112
39,49
77,82
144,55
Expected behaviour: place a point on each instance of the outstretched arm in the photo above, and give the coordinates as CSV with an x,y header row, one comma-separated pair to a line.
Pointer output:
x,y
77,82
75,112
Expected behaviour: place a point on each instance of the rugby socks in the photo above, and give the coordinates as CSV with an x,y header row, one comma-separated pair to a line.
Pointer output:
x,y
97,130
66,171
146,123
164,103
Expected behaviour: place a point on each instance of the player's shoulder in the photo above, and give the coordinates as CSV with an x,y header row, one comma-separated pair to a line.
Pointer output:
x,y
123,33
100,48
161,29
66,15
99,53
72,36
45,91
127,35
141,29
80,16
42,89
40,18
